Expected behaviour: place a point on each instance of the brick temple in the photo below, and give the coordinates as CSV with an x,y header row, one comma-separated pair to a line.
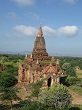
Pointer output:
x,y
35,67
39,50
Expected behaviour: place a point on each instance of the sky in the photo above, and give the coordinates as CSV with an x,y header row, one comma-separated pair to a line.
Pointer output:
x,y
61,24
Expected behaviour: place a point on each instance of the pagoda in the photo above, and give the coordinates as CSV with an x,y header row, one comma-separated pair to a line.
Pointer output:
x,y
33,69
39,50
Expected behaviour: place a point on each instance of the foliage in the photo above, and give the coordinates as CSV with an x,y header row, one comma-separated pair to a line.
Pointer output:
x,y
76,107
74,61
34,106
57,97
36,88
63,80
79,82
68,69
71,72
8,92
66,66
7,80
9,63
71,80
76,88
12,69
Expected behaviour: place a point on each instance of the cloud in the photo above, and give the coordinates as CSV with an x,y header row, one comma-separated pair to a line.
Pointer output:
x,y
24,2
70,1
48,31
62,1
67,31
26,30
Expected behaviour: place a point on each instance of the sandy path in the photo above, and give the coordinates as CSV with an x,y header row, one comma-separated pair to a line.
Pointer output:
x,y
77,99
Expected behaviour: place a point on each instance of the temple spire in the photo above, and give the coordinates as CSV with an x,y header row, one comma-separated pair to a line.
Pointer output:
x,y
39,50
40,33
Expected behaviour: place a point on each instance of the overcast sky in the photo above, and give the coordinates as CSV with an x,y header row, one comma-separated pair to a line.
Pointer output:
x,y
61,23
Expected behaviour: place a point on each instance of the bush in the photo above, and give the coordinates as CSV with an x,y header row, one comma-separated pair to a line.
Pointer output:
x,y
71,80
7,80
71,72
34,106
57,97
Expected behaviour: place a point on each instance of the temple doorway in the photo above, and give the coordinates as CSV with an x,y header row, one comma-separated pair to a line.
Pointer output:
x,y
49,82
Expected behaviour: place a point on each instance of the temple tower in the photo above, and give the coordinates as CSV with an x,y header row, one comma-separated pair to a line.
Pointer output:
x,y
39,50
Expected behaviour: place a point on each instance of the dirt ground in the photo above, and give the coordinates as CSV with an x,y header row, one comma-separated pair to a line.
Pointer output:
x,y
77,99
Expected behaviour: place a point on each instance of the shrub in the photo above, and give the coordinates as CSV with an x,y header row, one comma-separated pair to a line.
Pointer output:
x,y
7,80
57,97
71,72
71,80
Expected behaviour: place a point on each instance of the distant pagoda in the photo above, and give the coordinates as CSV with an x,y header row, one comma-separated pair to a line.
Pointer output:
x,y
39,50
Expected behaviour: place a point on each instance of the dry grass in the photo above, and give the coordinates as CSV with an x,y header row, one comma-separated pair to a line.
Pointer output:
x,y
79,73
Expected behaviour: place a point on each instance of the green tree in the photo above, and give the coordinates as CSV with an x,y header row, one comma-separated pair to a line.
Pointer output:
x,y
7,80
57,97
72,80
7,88
66,66
71,72
68,69
9,94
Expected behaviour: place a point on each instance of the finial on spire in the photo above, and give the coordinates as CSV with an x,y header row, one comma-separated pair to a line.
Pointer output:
x,y
40,33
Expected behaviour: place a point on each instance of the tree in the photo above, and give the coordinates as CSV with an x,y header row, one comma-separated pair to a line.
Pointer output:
x,y
7,88
72,80
66,66
57,97
7,80
9,94
68,69
71,72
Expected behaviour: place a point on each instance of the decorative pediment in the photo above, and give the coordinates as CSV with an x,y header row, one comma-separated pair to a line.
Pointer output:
x,y
49,69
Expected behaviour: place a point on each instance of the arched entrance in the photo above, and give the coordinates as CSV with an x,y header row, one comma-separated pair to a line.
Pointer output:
x,y
49,82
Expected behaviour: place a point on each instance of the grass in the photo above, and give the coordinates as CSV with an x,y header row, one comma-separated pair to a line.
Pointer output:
x,y
77,89
79,74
